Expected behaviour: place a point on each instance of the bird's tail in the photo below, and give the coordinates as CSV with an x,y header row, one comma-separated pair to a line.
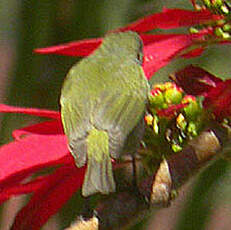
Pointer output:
x,y
99,174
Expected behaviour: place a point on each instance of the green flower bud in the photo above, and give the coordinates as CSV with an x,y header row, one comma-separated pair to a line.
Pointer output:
x,y
176,148
192,129
227,27
181,122
156,98
220,33
173,95
193,30
193,109
217,3
224,9
207,3
155,124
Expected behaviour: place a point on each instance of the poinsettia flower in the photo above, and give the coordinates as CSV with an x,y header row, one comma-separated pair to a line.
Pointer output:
x,y
159,50
44,145
36,147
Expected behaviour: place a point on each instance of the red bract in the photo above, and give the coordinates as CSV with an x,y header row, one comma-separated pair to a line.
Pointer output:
x,y
159,50
195,80
37,147
158,54
31,111
79,48
170,19
218,99
49,198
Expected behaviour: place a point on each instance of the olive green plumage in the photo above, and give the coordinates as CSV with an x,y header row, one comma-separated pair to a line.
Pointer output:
x,y
103,101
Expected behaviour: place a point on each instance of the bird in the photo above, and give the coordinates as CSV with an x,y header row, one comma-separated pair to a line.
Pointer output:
x,y
103,101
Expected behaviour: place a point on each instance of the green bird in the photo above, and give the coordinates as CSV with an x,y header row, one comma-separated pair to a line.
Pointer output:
x,y
103,100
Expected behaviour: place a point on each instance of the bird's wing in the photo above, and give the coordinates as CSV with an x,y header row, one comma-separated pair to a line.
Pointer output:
x,y
75,119
118,113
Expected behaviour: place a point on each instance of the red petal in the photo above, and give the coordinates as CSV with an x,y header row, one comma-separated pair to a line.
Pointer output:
x,y
169,19
160,53
148,39
193,53
30,111
53,127
195,80
21,158
79,48
219,99
18,189
49,199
